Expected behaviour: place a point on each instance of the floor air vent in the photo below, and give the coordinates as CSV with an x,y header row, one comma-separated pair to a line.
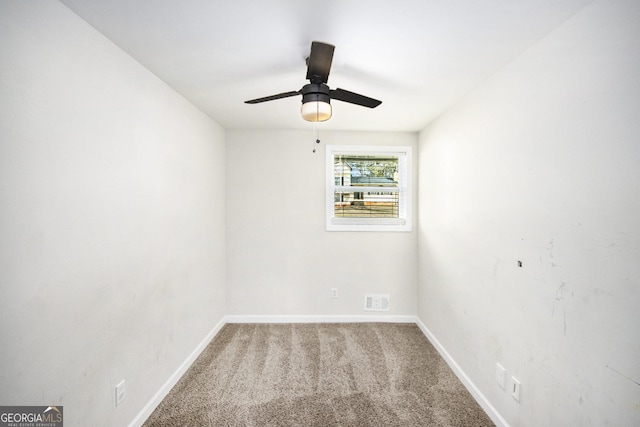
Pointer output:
x,y
376,302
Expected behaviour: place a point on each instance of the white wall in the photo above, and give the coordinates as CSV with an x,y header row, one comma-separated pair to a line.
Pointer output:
x,y
541,164
280,259
112,260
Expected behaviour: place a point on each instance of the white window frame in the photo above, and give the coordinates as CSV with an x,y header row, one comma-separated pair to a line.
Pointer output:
x,y
403,222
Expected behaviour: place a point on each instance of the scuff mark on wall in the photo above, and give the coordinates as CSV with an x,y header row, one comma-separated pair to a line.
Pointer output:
x,y
623,375
599,291
550,248
560,291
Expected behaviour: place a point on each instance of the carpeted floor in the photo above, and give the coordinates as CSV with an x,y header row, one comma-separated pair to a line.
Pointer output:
x,y
341,374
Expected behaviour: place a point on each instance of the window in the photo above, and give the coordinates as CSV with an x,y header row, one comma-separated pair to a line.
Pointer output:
x,y
368,188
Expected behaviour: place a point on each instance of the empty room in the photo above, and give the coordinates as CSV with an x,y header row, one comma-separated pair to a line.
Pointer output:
x,y
292,213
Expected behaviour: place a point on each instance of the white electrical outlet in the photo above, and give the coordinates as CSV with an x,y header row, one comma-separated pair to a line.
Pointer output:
x,y
334,292
500,375
120,392
515,389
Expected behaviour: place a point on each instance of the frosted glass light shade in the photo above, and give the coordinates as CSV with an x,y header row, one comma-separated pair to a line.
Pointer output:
x,y
316,111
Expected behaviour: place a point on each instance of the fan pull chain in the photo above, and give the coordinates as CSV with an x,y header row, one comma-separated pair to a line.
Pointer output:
x,y
317,132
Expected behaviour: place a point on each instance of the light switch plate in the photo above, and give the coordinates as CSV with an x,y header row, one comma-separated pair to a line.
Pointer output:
x,y
515,389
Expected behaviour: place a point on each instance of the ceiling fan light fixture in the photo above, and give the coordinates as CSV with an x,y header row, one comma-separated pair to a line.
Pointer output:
x,y
316,96
316,111
316,104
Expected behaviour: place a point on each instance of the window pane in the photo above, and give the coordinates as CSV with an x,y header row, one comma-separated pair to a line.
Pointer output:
x,y
356,175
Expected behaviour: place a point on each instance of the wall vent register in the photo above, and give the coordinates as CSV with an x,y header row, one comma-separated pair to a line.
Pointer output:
x,y
376,302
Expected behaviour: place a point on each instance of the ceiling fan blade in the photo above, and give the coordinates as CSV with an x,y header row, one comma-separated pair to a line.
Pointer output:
x,y
319,62
273,97
353,98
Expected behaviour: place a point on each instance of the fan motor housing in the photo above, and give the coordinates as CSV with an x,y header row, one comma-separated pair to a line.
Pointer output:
x,y
315,92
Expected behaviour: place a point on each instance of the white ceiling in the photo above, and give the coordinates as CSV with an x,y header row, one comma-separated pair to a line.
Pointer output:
x,y
418,56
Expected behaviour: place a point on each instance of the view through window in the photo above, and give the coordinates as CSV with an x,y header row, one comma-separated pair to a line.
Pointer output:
x,y
366,186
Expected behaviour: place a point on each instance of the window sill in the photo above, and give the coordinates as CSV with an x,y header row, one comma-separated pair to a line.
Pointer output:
x,y
368,224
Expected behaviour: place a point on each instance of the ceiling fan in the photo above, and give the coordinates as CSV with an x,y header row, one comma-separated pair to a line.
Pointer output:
x,y
316,95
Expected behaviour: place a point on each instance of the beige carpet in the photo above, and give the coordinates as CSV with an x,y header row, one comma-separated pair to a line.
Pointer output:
x,y
346,374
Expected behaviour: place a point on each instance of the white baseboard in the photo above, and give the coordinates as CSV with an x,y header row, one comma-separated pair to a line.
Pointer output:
x,y
466,381
318,319
173,379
